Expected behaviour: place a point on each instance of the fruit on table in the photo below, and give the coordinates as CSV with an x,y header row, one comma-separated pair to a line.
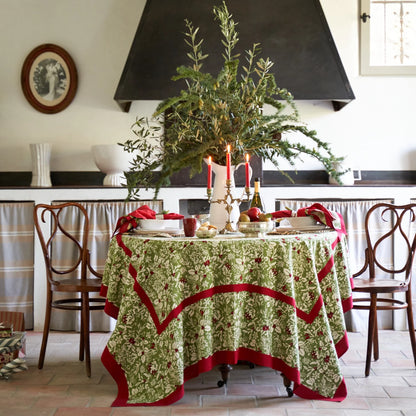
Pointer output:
x,y
207,226
244,217
265,217
254,213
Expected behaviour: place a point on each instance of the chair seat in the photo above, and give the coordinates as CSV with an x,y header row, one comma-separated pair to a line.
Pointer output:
x,y
379,285
77,285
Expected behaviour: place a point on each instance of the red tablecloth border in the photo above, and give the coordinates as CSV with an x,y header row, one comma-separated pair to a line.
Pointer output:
x,y
221,357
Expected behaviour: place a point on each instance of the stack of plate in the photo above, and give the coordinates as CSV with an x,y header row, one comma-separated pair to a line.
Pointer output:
x,y
152,226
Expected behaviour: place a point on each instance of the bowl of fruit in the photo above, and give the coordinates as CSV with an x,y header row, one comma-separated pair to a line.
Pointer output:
x,y
206,231
254,223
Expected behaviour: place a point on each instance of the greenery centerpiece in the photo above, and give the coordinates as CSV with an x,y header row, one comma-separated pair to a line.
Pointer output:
x,y
214,111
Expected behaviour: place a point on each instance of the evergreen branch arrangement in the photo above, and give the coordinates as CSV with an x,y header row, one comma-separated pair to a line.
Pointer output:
x,y
214,111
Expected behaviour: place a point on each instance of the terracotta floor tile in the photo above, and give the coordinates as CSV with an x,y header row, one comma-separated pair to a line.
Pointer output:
x,y
41,391
314,412
348,403
366,391
229,401
349,412
189,400
83,411
401,391
74,379
393,404
411,381
381,380
204,389
37,411
284,402
199,412
57,402
251,390
257,412
18,404
141,411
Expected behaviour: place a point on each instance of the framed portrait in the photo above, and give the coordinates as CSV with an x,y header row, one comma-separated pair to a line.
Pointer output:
x,y
49,78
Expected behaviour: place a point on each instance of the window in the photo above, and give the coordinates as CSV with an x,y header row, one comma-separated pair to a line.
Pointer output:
x,y
388,37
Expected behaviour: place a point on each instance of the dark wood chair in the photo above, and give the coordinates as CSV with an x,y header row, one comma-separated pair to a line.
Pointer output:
x,y
76,280
398,225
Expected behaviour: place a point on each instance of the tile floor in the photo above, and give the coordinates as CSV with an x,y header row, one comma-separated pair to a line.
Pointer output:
x,y
62,389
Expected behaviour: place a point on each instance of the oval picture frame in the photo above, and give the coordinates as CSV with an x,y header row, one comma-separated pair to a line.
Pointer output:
x,y
49,78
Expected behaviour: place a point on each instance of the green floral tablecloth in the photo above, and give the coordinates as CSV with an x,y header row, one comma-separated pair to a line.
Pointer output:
x,y
184,305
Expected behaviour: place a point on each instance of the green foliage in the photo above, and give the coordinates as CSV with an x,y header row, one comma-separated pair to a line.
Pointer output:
x,y
218,110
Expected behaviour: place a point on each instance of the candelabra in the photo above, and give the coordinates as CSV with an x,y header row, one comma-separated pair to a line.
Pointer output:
x,y
229,200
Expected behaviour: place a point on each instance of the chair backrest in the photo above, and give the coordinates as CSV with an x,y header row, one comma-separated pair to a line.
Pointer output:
x,y
69,225
398,232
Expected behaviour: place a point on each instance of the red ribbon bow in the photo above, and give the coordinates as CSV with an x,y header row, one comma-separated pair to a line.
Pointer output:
x,y
319,213
130,221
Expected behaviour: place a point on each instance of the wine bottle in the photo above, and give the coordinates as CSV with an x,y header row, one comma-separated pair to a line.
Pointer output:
x,y
257,201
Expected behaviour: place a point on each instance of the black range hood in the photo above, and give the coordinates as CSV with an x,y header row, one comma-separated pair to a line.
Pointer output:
x,y
294,34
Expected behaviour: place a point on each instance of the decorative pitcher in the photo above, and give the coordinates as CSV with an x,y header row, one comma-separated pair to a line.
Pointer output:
x,y
347,178
217,213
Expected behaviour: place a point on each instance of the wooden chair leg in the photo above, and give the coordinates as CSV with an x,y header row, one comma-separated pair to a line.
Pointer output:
x,y
86,329
46,327
370,336
375,337
81,333
411,324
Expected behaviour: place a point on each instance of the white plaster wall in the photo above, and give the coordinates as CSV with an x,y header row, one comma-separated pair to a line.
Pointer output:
x,y
375,131
97,34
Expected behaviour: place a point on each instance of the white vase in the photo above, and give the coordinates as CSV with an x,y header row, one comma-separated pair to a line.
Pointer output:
x,y
112,160
41,156
218,215
347,178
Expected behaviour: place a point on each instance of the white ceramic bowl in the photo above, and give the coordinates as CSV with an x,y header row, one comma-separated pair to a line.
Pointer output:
x,y
112,160
153,225
298,222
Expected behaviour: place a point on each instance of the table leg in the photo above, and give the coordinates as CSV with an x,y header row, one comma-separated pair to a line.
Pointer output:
x,y
249,363
225,370
288,385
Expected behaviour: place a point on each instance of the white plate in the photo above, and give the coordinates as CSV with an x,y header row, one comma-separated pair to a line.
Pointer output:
x,y
305,228
298,222
152,225
173,230
170,231
157,225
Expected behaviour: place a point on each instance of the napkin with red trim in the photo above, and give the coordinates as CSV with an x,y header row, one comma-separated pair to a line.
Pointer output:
x,y
130,221
319,213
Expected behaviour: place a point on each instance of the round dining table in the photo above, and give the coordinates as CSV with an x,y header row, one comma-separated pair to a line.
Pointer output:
x,y
185,305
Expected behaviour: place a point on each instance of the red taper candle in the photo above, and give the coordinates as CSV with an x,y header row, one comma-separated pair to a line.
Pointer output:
x,y
209,173
228,160
247,171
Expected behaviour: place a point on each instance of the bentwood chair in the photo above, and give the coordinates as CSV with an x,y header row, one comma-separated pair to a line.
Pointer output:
x,y
76,280
398,227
